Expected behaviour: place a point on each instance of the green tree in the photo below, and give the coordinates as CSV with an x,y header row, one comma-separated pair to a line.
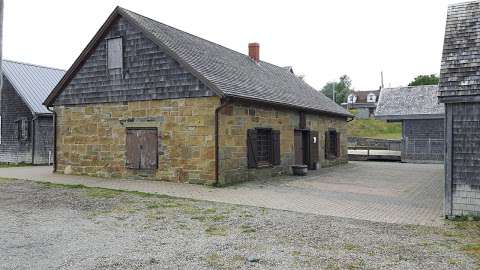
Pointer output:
x,y
424,80
342,89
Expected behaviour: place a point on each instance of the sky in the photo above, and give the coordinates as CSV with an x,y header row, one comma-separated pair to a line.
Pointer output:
x,y
321,39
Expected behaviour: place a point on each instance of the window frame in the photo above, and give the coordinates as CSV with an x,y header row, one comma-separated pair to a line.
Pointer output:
x,y
23,129
267,140
108,49
270,156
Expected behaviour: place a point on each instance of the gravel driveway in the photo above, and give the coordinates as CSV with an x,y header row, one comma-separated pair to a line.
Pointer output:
x,y
49,226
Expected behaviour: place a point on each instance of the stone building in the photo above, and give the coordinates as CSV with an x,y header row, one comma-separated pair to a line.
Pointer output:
x,y
363,103
26,126
422,117
147,100
460,92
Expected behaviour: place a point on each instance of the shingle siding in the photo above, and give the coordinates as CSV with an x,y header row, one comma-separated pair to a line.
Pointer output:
x,y
465,158
13,108
148,73
459,75
423,140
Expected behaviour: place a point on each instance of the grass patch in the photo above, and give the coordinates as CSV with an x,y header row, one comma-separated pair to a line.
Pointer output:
x,y
374,128
8,165
214,259
473,249
218,218
216,231
153,206
351,247
247,229
102,193
60,186
169,204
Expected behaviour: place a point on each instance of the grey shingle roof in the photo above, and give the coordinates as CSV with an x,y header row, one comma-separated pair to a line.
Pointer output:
x,y
234,73
32,82
226,72
414,102
460,71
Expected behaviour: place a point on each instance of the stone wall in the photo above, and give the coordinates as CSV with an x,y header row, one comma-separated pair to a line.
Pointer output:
x,y
91,138
393,145
236,119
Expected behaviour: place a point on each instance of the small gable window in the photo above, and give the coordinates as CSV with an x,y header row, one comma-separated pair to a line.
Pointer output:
x,y
114,53
22,129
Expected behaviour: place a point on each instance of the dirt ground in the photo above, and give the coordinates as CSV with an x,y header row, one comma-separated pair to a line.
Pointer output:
x,y
45,226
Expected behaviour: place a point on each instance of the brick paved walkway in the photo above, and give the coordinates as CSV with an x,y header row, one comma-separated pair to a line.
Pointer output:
x,y
377,191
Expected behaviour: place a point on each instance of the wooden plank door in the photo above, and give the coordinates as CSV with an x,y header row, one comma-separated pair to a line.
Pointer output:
x,y
142,149
299,146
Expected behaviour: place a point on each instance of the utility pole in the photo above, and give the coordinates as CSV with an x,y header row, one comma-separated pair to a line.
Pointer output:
x,y
381,78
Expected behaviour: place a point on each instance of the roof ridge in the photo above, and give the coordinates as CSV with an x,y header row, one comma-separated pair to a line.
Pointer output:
x,y
411,86
463,3
190,34
33,65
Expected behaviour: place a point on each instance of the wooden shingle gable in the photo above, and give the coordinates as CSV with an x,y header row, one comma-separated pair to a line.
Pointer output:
x,y
92,46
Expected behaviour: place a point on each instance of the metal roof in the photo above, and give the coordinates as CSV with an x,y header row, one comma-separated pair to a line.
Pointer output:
x,y
413,102
32,82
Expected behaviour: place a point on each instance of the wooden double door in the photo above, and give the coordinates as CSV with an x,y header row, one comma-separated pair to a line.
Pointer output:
x,y
306,144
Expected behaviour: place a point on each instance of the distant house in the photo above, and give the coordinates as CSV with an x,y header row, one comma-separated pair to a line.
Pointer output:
x,y
460,92
422,120
26,126
363,102
147,100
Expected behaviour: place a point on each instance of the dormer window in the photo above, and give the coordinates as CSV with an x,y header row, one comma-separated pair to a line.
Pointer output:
x,y
371,97
114,53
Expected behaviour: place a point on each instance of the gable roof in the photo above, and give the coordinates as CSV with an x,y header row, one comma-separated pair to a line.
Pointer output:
x,y
227,72
413,102
459,75
33,83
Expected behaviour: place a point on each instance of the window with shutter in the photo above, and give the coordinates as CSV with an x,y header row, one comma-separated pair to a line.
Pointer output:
x,y
263,147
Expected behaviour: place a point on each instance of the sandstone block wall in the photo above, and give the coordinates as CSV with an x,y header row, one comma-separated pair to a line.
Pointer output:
x,y
236,119
91,138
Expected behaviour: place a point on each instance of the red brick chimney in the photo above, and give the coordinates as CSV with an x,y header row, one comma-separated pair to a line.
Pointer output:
x,y
254,51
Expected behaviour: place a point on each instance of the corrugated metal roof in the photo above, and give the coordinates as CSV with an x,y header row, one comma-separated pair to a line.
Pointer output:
x,y
413,102
32,82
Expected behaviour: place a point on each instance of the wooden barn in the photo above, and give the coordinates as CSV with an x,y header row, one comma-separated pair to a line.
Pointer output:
x,y
422,120
460,92
147,100
26,126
